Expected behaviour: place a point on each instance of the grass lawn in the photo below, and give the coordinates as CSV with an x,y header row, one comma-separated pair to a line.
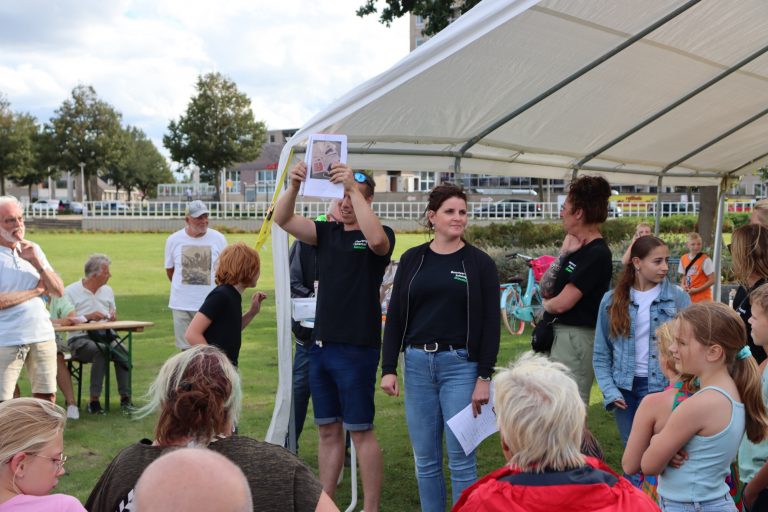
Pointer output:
x,y
141,289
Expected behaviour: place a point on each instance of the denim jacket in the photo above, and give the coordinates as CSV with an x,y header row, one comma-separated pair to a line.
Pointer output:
x,y
614,359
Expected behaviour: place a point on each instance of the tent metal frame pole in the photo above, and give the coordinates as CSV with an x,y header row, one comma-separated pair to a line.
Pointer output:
x,y
752,161
657,222
574,76
718,252
452,154
717,139
457,170
673,105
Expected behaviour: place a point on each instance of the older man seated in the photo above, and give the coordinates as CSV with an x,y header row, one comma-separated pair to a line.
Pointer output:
x,y
541,421
95,300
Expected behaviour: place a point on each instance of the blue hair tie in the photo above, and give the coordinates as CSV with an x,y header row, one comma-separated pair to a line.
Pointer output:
x,y
744,352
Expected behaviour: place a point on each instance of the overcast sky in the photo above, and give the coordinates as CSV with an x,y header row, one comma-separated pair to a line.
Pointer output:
x,y
291,57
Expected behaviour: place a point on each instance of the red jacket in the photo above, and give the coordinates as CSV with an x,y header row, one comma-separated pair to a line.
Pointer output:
x,y
595,488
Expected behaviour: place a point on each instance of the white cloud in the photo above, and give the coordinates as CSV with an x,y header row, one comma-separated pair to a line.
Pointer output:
x,y
291,57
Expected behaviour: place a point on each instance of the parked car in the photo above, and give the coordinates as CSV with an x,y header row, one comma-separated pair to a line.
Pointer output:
x,y
512,207
46,205
668,208
76,207
115,206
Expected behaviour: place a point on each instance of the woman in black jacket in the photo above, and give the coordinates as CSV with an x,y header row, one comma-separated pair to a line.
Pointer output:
x,y
444,314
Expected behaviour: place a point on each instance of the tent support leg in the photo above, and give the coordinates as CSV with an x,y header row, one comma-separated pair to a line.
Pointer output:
x,y
657,223
457,170
718,252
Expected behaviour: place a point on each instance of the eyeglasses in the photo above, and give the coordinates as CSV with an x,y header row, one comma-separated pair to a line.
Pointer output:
x,y
58,462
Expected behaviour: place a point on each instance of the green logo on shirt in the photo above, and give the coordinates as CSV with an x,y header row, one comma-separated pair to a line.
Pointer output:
x,y
360,245
459,276
571,267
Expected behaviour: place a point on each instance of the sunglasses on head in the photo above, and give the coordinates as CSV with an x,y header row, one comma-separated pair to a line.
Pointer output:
x,y
361,177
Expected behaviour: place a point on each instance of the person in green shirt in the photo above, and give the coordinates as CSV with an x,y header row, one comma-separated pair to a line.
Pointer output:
x,y
63,313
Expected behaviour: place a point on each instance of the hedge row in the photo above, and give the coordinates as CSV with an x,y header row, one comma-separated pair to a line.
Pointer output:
x,y
501,240
524,233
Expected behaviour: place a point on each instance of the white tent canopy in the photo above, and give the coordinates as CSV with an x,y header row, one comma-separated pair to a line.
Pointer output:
x,y
632,90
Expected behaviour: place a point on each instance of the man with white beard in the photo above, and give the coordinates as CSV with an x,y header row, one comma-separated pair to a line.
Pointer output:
x,y
26,332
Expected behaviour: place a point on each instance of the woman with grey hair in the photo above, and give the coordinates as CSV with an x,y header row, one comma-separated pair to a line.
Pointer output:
x,y
197,396
541,422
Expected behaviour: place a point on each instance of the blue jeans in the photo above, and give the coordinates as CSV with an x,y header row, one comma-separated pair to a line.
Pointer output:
x,y
342,380
437,386
625,417
724,504
300,386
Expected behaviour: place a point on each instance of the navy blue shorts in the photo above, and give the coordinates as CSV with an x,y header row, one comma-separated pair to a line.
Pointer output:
x,y
342,381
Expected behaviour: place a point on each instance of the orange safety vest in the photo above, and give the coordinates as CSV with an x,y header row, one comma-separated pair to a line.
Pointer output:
x,y
696,277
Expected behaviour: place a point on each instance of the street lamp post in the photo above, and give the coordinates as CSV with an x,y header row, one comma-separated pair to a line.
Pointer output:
x,y
82,181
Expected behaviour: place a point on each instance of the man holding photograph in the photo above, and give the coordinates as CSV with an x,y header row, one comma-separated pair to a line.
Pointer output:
x,y
352,256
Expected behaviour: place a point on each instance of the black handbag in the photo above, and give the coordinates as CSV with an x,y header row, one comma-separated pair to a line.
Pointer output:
x,y
111,339
543,335
106,336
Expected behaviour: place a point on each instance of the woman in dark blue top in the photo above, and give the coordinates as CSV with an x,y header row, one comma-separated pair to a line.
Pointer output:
x,y
444,314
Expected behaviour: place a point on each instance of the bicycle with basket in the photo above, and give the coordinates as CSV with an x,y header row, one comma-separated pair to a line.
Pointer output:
x,y
520,307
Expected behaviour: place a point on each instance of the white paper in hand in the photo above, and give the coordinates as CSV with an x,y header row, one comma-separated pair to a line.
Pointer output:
x,y
470,430
324,150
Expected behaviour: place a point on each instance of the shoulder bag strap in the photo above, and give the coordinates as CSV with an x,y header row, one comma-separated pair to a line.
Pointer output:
x,y
699,255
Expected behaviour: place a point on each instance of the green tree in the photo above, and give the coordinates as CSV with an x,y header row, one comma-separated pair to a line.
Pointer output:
x,y
18,156
437,13
762,172
87,129
218,129
144,165
6,123
118,172
29,169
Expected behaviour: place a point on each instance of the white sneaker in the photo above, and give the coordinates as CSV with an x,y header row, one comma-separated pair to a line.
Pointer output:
x,y
73,413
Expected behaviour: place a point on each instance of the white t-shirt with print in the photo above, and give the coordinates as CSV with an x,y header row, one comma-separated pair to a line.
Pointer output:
x,y
194,263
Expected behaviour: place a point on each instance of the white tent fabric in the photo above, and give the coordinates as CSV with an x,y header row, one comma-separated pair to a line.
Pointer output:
x,y
630,90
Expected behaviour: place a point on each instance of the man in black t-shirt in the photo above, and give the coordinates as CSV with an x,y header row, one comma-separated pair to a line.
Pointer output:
x,y
352,256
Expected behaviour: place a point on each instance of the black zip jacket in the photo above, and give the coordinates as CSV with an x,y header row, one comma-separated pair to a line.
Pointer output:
x,y
483,318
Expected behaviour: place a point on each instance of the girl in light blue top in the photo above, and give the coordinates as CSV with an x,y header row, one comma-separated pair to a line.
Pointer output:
x,y
753,469
709,343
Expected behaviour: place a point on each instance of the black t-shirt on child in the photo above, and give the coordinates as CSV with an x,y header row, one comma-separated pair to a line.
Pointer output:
x,y
348,307
223,306
437,301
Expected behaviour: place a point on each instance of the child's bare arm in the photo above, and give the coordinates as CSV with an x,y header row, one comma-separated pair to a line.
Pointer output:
x,y
757,484
197,327
686,421
640,435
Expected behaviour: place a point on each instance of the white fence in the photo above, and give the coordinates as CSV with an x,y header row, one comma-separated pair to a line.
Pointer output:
x,y
385,210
